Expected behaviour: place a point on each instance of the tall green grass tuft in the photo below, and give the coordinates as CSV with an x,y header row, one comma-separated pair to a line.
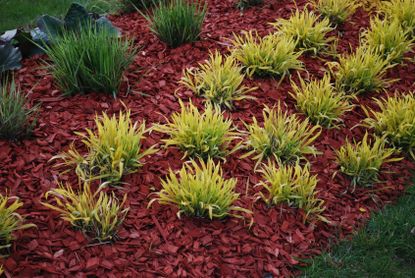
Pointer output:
x,y
178,21
401,10
90,61
337,11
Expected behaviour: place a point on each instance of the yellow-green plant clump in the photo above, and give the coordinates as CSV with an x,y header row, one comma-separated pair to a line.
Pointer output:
x,y
401,10
97,214
337,11
320,101
362,161
282,136
112,151
202,135
219,80
270,55
201,191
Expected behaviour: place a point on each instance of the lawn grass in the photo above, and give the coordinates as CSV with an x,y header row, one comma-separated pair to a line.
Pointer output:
x,y
18,13
385,248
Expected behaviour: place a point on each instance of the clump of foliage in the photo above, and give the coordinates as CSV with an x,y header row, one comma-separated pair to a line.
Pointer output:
x,y
388,38
362,71
403,11
337,11
292,184
202,135
200,191
271,55
113,151
10,220
178,21
362,161
306,29
395,120
282,136
319,100
219,80
98,214
89,61
244,4
15,117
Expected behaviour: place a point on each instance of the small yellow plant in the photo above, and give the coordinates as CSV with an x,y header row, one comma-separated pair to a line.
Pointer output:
x,y
94,213
294,185
362,161
337,11
202,135
219,80
10,220
200,191
282,136
395,120
362,71
113,151
1,270
306,29
388,38
401,10
319,100
271,55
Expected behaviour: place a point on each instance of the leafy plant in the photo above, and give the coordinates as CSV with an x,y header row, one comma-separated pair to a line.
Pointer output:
x,y
219,80
178,21
200,191
362,71
10,220
89,61
271,55
201,135
294,185
395,120
282,136
388,38
94,213
337,11
244,4
10,58
113,151
319,100
15,117
306,29
362,161
402,11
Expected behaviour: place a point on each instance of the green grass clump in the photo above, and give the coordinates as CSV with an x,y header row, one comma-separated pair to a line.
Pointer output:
x,y
337,11
91,61
362,161
306,29
203,135
219,80
271,55
388,38
200,191
15,117
178,21
320,102
403,11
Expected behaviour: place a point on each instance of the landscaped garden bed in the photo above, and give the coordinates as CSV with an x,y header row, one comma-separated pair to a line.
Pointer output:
x,y
269,240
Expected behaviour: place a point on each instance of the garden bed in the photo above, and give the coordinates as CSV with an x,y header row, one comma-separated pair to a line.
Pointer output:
x,y
153,241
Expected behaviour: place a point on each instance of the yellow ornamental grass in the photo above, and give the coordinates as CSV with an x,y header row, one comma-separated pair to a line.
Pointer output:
x,y
113,150
292,184
395,120
282,137
270,55
362,161
200,191
388,38
306,29
95,213
320,101
201,135
10,220
337,11
219,80
402,11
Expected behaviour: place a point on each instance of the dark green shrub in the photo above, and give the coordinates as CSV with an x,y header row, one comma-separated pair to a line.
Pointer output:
x,y
244,4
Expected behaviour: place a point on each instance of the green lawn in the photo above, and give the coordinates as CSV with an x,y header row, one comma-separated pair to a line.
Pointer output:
x,y
17,13
385,248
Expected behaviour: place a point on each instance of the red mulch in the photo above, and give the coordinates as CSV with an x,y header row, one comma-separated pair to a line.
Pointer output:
x,y
153,242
